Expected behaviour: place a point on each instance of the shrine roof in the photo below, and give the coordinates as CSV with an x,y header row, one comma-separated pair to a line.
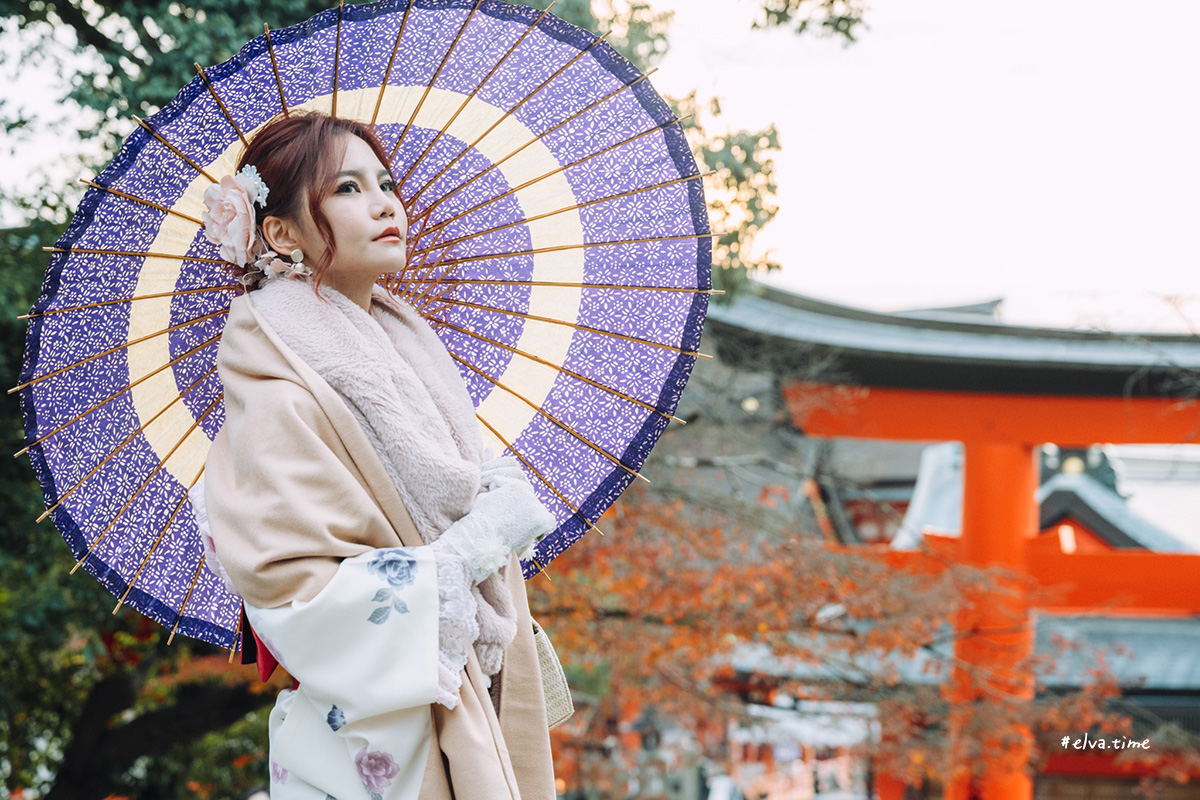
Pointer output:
x,y
953,349
1104,512
1145,654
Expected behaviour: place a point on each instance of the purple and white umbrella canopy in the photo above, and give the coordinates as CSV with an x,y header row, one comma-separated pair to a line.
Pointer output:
x,y
559,246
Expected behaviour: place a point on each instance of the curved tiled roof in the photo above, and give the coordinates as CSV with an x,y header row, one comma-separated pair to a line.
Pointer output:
x,y
951,351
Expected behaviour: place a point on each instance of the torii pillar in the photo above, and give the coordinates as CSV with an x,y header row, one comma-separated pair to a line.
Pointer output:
x,y
1000,517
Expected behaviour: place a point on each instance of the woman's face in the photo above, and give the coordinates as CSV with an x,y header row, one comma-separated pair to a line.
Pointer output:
x,y
367,219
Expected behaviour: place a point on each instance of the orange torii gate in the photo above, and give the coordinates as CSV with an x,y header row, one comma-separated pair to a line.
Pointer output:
x,y
1000,519
957,374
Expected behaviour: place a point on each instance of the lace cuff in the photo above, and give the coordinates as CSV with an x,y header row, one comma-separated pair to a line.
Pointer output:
x,y
211,561
457,625
482,554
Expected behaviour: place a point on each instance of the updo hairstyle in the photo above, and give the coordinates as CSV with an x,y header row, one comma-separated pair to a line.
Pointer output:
x,y
298,157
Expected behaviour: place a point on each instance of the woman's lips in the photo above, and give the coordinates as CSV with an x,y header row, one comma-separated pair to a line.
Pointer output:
x,y
390,235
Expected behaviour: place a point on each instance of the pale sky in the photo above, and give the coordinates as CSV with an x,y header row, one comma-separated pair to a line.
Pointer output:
x,y
1044,152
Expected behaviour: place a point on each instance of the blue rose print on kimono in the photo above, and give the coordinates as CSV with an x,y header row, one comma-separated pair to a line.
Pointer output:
x,y
336,718
396,567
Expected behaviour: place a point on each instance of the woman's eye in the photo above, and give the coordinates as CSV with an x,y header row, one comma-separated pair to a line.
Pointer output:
x,y
347,187
388,186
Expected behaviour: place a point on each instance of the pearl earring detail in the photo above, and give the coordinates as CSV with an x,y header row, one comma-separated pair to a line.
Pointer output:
x,y
297,269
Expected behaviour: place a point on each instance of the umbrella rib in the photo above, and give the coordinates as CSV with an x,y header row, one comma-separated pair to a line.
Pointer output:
x,y
428,296
574,509
337,57
578,327
173,148
425,213
237,639
431,297
398,281
187,599
275,69
432,81
508,114
567,285
97,251
157,541
144,202
574,207
426,228
564,370
117,394
551,417
112,350
466,101
127,440
220,103
578,246
387,73
162,462
155,296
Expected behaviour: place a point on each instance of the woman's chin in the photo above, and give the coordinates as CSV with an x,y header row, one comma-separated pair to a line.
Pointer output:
x,y
371,271
391,262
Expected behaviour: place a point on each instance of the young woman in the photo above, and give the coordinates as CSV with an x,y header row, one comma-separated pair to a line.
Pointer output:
x,y
350,503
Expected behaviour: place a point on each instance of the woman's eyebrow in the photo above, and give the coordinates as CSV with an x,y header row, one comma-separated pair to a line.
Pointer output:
x,y
360,174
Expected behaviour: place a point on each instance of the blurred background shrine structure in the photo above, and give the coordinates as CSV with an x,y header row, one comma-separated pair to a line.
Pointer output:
x,y
1058,455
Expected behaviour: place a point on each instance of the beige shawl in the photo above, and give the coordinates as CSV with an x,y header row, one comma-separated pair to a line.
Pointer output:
x,y
293,487
400,383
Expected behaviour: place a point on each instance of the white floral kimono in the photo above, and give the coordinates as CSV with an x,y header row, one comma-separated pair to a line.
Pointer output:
x,y
340,587
365,653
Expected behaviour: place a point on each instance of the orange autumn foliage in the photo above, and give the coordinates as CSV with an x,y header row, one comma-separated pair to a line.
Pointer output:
x,y
710,593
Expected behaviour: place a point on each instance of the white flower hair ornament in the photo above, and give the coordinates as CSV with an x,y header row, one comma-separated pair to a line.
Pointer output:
x,y
229,224
229,218
272,266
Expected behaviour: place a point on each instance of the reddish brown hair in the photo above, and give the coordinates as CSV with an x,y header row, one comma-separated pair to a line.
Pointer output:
x,y
298,157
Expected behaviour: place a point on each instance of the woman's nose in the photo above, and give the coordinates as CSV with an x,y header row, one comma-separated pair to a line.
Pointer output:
x,y
386,206
384,203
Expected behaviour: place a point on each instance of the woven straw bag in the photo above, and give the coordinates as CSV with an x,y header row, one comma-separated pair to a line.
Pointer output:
x,y
559,707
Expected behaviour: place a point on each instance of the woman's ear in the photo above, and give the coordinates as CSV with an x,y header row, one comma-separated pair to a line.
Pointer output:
x,y
282,235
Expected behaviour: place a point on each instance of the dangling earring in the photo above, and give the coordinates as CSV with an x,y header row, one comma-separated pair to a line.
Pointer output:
x,y
298,269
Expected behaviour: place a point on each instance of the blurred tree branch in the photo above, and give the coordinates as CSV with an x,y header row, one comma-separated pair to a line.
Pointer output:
x,y
832,18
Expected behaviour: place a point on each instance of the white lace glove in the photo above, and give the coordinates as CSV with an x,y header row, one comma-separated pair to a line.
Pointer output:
x,y
457,625
495,471
507,518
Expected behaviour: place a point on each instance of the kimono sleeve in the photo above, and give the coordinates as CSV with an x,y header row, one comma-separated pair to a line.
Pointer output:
x,y
365,651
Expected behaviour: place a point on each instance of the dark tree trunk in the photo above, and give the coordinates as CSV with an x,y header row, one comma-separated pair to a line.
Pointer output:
x,y
100,753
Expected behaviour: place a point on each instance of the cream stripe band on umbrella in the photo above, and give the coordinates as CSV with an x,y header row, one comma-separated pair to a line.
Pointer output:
x,y
559,244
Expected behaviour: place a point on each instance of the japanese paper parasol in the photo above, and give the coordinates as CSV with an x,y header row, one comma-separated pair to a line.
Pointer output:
x,y
559,244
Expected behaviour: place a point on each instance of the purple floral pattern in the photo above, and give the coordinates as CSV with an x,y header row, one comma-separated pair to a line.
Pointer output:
x,y
376,769
278,773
